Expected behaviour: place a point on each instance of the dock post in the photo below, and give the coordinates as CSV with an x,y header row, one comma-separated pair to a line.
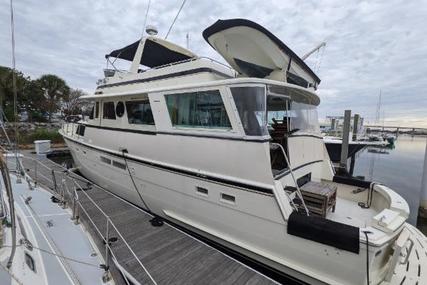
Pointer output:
x,y
345,139
355,126
332,124
423,201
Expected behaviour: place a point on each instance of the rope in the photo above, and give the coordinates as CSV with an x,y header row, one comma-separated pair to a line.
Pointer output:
x,y
133,182
30,245
176,17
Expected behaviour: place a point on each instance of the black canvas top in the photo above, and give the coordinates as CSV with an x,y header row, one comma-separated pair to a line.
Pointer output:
x,y
222,25
154,54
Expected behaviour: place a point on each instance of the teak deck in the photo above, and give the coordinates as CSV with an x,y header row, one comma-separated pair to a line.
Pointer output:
x,y
168,255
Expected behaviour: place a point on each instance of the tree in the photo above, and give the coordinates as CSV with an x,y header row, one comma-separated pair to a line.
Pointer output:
x,y
54,89
71,101
6,90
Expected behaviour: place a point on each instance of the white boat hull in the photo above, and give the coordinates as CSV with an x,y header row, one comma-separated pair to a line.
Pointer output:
x,y
240,226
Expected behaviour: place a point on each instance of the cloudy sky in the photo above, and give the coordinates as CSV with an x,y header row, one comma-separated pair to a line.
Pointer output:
x,y
371,45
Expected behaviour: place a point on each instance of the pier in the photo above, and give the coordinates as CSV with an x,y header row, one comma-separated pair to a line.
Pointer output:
x,y
133,244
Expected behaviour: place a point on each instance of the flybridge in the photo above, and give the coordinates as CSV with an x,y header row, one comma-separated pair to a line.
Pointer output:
x,y
247,47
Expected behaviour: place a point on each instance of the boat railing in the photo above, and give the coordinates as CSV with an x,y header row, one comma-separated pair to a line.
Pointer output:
x,y
69,190
298,190
180,62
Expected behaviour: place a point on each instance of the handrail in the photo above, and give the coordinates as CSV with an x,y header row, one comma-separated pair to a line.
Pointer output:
x,y
74,197
293,177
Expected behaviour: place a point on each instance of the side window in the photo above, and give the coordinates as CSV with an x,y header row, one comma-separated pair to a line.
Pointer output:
x,y
109,112
120,109
203,109
139,112
30,262
97,110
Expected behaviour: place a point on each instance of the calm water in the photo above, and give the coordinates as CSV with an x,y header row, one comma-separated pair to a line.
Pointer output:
x,y
399,168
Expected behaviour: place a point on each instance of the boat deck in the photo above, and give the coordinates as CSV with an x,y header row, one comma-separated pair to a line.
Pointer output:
x,y
144,253
53,230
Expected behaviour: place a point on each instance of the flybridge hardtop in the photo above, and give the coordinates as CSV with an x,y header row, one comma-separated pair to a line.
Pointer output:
x,y
157,52
254,51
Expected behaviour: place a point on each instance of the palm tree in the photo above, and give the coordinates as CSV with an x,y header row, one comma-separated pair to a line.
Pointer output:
x,y
54,89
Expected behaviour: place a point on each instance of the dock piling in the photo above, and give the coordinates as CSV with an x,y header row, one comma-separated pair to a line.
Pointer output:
x,y
355,125
345,139
423,201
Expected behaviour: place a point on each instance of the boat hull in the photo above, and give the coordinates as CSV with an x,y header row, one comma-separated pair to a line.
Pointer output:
x,y
334,150
239,227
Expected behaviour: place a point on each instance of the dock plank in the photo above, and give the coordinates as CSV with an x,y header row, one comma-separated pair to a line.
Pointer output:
x,y
168,255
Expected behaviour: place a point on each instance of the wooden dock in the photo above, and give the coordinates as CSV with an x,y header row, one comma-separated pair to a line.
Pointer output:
x,y
144,253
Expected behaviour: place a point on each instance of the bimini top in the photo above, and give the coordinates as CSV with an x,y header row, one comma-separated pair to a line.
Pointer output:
x,y
156,52
254,51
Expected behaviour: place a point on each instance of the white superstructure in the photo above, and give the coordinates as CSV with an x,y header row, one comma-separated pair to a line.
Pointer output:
x,y
224,152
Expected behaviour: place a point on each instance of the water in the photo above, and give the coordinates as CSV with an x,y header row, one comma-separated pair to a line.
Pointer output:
x,y
399,168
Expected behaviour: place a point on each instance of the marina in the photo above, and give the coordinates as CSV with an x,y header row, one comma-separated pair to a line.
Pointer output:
x,y
143,253
181,168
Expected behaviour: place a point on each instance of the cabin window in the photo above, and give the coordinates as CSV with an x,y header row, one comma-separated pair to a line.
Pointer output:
x,y
80,130
105,160
109,112
139,112
97,110
120,109
30,262
251,105
92,111
304,118
119,164
203,109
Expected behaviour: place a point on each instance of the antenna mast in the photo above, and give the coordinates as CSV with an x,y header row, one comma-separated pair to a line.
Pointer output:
x,y
174,20
146,17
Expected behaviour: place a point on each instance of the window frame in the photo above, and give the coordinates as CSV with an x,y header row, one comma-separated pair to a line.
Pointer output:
x,y
113,110
130,100
221,90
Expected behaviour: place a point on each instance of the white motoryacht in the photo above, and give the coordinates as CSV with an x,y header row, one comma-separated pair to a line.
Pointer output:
x,y
235,154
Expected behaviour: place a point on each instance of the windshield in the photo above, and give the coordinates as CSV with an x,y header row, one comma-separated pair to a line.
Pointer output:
x,y
262,113
251,105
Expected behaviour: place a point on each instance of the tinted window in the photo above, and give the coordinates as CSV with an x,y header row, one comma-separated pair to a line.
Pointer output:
x,y
109,112
97,110
139,112
91,113
120,109
203,109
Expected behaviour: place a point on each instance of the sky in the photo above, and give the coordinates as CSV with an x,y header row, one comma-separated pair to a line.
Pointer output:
x,y
371,45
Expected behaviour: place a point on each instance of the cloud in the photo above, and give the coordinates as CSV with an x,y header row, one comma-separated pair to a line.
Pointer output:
x,y
371,45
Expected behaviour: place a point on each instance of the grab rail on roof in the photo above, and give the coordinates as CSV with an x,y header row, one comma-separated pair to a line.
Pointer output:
x,y
180,62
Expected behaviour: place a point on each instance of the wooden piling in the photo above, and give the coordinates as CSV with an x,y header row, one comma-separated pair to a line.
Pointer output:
x,y
345,139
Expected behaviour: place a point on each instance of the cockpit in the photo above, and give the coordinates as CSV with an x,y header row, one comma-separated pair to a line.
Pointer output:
x,y
276,112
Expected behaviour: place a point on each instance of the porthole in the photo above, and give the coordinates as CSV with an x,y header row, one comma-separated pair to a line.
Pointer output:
x,y
120,109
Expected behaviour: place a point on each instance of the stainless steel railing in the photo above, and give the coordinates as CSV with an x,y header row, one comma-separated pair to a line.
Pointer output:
x,y
293,178
83,208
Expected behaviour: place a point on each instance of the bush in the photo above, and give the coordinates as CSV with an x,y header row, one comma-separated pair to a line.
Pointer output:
x,y
41,134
